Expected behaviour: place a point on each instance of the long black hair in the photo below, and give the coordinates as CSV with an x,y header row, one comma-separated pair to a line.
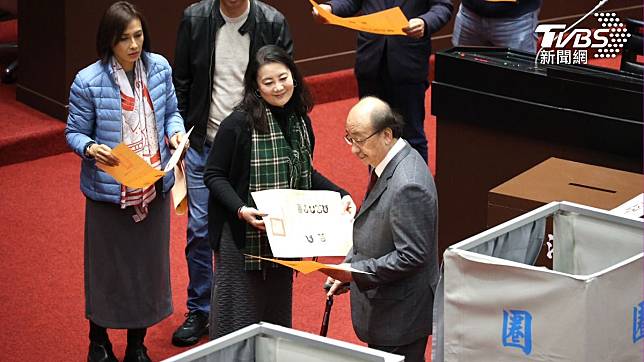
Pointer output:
x,y
113,23
254,106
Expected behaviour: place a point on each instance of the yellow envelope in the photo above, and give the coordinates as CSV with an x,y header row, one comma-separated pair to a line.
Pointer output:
x,y
386,22
132,171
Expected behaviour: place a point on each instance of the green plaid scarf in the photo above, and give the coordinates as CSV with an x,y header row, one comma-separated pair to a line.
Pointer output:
x,y
276,165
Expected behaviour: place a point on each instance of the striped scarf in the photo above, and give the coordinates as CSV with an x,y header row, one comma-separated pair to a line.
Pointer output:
x,y
274,164
139,133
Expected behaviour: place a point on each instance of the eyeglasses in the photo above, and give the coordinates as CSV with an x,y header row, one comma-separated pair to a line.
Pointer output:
x,y
352,141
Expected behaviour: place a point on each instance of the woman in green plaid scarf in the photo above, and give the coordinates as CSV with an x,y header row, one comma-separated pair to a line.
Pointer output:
x,y
266,143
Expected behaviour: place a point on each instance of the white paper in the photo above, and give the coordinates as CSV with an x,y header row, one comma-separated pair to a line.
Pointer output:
x,y
633,208
177,153
347,267
305,223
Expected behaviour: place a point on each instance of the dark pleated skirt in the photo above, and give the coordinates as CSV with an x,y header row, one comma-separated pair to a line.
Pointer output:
x,y
127,265
241,298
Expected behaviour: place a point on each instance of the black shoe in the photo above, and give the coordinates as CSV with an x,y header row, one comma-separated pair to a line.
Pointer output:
x,y
100,353
194,327
136,354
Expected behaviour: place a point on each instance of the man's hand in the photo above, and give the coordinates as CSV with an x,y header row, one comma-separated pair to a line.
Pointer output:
x,y
316,15
416,28
348,206
102,154
253,217
335,287
341,275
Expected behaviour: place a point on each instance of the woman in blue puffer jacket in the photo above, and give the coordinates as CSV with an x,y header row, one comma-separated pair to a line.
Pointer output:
x,y
125,97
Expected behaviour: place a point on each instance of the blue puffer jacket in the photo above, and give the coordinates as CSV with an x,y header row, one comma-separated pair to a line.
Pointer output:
x,y
95,115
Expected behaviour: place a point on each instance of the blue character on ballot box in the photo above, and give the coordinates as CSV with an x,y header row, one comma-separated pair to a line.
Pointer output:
x,y
517,330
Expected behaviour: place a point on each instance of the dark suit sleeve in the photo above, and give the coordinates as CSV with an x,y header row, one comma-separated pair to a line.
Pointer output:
x,y
440,11
345,8
181,74
218,166
413,222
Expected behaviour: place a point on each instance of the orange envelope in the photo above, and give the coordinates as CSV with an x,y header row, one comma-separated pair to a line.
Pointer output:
x,y
180,190
132,171
307,266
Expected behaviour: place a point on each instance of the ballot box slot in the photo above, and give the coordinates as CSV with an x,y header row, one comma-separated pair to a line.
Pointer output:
x,y
592,187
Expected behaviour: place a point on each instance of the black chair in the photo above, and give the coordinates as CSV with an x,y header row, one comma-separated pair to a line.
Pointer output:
x,y
633,48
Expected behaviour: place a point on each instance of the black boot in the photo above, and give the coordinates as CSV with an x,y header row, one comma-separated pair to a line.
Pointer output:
x,y
135,350
100,348
193,328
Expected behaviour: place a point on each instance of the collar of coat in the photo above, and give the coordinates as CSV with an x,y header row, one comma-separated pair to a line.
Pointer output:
x,y
249,25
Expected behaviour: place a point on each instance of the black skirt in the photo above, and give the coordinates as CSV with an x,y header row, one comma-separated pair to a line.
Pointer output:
x,y
241,298
127,265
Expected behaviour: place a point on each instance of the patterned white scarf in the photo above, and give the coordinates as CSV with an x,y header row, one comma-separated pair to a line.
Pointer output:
x,y
139,133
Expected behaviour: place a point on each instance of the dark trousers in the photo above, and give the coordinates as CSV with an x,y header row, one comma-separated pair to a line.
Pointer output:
x,y
413,352
408,99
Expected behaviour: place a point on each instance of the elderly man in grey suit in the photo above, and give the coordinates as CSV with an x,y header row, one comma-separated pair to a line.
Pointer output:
x,y
394,237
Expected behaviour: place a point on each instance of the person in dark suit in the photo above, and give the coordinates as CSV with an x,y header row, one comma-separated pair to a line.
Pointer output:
x,y
395,68
394,237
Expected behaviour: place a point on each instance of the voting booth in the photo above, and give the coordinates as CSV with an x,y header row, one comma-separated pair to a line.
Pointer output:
x,y
265,342
493,304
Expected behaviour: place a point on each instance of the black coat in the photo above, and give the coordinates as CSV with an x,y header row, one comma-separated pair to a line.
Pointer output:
x,y
407,58
227,176
194,55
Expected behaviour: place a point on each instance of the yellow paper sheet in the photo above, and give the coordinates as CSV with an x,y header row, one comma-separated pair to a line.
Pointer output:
x,y
132,171
307,266
386,22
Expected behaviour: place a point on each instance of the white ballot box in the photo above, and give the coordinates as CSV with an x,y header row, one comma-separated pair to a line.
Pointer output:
x,y
305,223
492,304
265,342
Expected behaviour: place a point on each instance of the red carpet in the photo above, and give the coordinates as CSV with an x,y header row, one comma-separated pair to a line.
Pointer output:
x,y
8,31
332,86
28,134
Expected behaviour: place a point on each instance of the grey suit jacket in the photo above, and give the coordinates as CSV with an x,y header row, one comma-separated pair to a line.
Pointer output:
x,y
394,237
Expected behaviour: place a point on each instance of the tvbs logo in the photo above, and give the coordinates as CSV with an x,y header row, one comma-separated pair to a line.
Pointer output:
x,y
573,47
